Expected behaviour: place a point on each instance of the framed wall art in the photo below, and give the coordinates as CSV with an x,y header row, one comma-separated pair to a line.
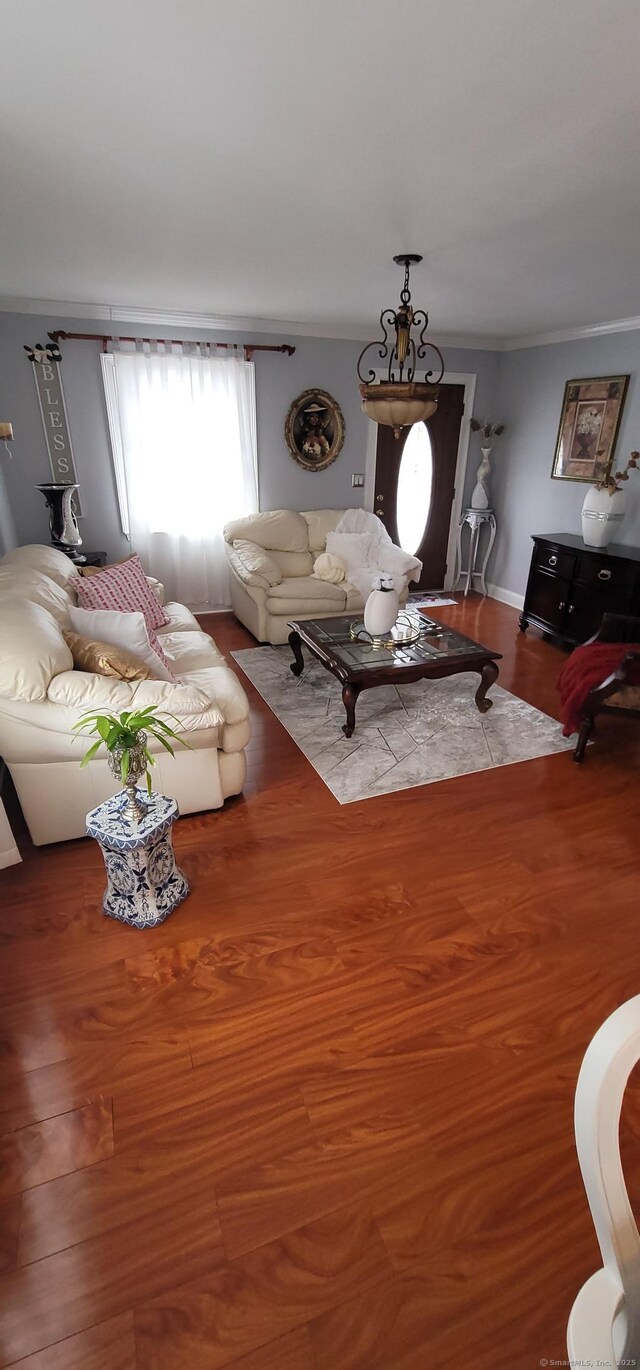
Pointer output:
x,y
589,423
314,430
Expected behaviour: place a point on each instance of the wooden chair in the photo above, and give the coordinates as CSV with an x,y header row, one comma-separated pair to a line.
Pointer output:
x,y
615,694
604,1326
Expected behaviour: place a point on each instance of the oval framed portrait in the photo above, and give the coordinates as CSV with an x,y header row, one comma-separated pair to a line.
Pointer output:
x,y
314,430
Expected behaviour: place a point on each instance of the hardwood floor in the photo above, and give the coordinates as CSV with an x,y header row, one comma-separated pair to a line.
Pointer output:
x,y
321,1119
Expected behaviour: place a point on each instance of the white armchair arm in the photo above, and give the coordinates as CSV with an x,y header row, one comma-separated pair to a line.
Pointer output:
x,y
253,565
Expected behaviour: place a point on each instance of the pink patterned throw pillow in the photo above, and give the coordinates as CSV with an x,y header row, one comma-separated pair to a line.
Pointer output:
x,y
124,588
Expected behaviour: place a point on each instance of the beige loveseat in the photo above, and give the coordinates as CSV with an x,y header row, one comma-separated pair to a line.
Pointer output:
x,y
271,558
42,696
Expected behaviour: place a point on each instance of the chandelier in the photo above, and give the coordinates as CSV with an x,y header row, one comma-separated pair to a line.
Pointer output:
x,y
400,400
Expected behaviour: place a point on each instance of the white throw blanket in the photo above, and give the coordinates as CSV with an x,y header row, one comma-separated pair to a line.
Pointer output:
x,y
363,542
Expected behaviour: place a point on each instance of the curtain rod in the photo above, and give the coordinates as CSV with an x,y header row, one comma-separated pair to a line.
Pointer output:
x,y
249,348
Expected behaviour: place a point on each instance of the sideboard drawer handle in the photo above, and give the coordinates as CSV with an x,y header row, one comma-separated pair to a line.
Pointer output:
x,y
561,604
553,561
604,575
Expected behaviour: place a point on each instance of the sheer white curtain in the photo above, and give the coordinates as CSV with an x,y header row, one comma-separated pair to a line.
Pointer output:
x,y
183,433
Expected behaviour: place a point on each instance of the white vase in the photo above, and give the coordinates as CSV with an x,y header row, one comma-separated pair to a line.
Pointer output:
x,y
381,612
602,515
480,496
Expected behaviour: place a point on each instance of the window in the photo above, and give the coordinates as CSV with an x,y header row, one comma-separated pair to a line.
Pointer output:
x,y
183,436
413,495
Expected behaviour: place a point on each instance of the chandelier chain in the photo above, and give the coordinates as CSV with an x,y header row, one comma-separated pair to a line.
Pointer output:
x,y
405,293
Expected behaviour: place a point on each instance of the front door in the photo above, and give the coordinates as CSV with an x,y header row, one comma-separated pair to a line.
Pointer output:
x,y
415,484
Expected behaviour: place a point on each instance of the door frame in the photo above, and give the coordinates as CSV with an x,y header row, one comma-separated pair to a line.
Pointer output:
x,y
469,380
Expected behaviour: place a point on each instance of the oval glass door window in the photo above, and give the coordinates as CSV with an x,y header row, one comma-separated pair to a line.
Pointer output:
x,y
415,486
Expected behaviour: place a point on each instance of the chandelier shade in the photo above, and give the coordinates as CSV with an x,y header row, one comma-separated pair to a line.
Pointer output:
x,y
399,400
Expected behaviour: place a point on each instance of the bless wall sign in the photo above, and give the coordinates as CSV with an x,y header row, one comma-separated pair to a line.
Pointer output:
x,y
45,363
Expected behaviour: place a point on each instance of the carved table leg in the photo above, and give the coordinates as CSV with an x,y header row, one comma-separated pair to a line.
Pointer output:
x,y
489,675
586,729
296,666
349,698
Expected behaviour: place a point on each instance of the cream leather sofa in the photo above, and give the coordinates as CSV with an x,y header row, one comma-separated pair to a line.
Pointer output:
x,y
42,696
271,558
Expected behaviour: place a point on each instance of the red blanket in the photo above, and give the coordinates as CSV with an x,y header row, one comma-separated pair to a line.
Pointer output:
x,y
587,667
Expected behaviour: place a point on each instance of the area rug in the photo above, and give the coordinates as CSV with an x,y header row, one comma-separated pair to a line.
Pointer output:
x,y
422,601
405,735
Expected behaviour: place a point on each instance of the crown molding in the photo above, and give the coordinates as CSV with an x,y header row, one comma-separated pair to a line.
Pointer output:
x,y
595,330
10,304
350,332
176,319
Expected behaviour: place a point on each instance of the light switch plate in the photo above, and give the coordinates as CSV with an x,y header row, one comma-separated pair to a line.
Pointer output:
x,y
357,479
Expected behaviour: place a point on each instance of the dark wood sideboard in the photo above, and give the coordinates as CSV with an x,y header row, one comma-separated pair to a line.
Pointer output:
x,y
571,586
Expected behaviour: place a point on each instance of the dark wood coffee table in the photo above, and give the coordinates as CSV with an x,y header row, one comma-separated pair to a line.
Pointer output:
x,y
361,665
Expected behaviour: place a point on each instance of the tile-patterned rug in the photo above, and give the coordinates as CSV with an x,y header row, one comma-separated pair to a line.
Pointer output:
x,y
405,735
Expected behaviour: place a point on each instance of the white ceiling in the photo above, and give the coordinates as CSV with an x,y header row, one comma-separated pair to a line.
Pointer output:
x,y
266,158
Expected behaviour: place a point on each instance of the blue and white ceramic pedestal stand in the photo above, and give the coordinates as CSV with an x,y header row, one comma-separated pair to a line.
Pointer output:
x,y
144,885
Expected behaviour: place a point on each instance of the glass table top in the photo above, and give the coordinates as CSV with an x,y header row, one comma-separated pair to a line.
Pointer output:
x,y
345,640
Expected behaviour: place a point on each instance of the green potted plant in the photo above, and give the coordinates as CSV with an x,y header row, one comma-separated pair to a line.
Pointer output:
x,y
125,738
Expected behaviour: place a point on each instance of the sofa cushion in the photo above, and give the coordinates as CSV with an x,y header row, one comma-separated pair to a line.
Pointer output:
x,y
87,691
32,649
191,651
307,588
37,587
122,588
48,560
355,602
280,529
320,522
179,620
292,563
303,596
221,684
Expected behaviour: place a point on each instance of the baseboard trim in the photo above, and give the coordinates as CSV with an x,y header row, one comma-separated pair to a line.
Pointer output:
x,y
506,596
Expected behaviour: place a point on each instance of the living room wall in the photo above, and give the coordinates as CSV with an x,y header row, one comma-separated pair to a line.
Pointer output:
x,y
530,393
324,362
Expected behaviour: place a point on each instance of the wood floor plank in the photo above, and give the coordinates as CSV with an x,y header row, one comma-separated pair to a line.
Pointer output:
x,y
98,1279
108,1346
119,1192
65,1085
252,1301
449,1308
126,1011
10,1213
55,1147
261,1204
223,1122
291,1352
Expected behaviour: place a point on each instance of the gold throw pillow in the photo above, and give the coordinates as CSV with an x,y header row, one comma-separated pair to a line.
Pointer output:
x,y
103,659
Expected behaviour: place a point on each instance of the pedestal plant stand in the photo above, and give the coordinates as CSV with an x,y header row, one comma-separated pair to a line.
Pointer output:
x,y
144,884
134,829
